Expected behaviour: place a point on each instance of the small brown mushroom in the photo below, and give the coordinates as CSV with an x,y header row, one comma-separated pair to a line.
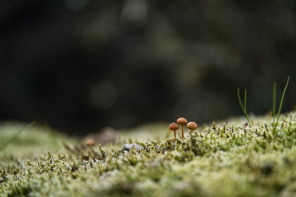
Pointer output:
x,y
174,127
192,126
90,143
182,121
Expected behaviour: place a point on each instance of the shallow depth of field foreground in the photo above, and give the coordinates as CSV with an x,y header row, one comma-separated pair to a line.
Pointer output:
x,y
227,158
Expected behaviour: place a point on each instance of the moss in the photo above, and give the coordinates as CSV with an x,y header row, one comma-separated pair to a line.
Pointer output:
x,y
222,159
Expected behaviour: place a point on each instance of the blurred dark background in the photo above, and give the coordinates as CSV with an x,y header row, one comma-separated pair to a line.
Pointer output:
x,y
81,65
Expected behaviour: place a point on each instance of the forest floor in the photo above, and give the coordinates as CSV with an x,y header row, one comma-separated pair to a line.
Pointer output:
x,y
228,158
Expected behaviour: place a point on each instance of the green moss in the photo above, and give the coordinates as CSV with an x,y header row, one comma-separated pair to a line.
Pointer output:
x,y
218,160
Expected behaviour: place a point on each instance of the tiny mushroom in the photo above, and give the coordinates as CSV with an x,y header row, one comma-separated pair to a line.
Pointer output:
x,y
182,121
90,143
174,127
192,126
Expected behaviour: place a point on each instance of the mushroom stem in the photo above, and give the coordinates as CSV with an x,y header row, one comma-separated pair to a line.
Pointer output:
x,y
175,135
182,121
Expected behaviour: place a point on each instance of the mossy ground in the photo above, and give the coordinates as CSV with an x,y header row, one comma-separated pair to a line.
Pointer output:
x,y
225,159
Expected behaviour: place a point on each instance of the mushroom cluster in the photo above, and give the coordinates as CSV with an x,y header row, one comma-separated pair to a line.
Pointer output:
x,y
182,121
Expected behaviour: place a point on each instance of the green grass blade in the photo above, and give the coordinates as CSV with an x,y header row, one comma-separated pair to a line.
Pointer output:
x,y
282,99
280,106
15,136
243,106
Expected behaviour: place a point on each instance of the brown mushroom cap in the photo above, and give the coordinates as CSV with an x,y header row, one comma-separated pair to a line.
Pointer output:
x,y
174,127
90,143
182,121
192,126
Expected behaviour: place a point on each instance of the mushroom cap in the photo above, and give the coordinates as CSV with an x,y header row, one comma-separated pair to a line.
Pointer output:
x,y
182,121
192,126
174,126
90,142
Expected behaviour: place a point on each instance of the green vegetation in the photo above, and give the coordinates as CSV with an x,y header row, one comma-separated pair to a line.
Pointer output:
x,y
276,120
244,106
223,159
